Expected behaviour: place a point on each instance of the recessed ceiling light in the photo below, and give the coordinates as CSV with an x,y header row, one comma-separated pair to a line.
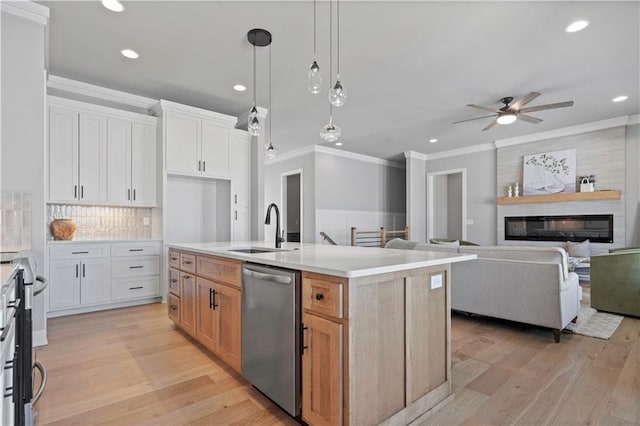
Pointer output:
x,y
620,98
338,143
577,26
239,87
113,5
128,53
433,140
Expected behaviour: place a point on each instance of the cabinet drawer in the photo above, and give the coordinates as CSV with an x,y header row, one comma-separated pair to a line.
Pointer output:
x,y
322,296
174,259
74,251
136,267
188,262
134,288
133,249
174,281
173,308
221,270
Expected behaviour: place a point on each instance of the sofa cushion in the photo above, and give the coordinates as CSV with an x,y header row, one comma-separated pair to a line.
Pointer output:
x,y
453,243
451,240
582,249
436,247
399,243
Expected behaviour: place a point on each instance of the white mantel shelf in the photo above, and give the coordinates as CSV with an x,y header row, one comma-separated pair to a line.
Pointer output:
x,y
611,194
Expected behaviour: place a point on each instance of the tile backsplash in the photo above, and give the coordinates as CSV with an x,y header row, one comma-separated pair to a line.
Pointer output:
x,y
103,223
15,221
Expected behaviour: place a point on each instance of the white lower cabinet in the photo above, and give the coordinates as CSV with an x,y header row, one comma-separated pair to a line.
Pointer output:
x,y
85,277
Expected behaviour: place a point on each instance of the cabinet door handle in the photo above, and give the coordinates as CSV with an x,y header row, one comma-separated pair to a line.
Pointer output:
x,y
187,262
199,165
236,212
173,258
174,280
83,270
136,288
302,329
174,307
210,298
75,191
76,270
134,194
79,252
139,250
204,166
319,296
235,198
214,300
136,267
81,191
128,194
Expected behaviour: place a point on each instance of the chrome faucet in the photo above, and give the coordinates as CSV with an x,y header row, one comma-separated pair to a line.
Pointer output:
x,y
267,221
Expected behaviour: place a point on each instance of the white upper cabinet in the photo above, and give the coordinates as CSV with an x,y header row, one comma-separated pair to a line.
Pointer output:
x,y
100,156
196,140
77,156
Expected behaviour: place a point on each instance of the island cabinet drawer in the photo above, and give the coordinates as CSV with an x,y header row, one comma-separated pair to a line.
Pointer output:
x,y
174,281
73,251
134,288
135,249
188,262
323,294
135,267
220,270
174,259
173,308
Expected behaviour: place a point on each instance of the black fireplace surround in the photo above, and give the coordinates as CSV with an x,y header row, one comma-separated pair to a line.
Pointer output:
x,y
596,228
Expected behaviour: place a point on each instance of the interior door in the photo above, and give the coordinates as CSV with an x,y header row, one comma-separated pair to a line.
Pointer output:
x,y
143,164
215,150
119,161
183,143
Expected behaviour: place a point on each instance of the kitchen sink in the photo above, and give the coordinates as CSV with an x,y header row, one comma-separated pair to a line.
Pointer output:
x,y
256,250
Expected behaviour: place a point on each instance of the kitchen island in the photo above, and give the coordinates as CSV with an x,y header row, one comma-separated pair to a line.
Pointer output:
x,y
377,323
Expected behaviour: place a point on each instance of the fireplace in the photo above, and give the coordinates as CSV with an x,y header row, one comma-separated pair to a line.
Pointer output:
x,y
595,228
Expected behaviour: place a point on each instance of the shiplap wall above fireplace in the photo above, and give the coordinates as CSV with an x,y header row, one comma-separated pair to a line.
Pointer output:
x,y
600,153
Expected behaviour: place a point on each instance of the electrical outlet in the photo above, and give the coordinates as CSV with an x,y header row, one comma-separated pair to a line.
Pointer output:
x,y
146,221
436,281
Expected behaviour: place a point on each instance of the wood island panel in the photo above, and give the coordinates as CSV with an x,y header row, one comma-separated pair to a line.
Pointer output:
x,y
221,270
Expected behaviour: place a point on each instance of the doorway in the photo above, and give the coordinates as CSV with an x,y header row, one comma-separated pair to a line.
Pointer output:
x,y
292,205
447,204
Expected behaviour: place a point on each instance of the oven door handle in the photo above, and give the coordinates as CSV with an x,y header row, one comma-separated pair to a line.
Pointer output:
x,y
44,282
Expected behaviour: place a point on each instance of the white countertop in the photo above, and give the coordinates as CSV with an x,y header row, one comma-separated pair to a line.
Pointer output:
x,y
342,261
55,242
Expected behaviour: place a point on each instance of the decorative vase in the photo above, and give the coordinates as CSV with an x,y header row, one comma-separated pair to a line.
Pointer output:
x,y
63,229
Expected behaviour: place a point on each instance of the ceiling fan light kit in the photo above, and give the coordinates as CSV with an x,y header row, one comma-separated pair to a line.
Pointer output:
x,y
511,112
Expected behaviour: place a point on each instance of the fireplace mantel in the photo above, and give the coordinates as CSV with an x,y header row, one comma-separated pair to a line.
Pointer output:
x,y
611,194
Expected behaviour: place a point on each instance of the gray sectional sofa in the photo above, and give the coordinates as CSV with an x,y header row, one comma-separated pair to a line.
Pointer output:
x,y
525,284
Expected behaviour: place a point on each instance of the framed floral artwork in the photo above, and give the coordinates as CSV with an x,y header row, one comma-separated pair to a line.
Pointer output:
x,y
550,172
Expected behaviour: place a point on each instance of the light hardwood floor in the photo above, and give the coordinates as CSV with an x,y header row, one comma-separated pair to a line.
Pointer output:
x,y
130,366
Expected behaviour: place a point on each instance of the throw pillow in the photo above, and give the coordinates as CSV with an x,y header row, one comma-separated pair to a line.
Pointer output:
x,y
582,249
398,243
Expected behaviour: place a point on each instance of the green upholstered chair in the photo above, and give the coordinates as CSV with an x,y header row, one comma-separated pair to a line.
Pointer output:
x,y
615,281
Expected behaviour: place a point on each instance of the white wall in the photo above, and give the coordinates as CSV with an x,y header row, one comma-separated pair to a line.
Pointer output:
x,y
632,191
416,195
23,131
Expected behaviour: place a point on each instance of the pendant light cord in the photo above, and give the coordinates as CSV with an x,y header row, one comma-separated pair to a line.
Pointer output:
x,y
338,37
270,109
254,75
330,55
314,30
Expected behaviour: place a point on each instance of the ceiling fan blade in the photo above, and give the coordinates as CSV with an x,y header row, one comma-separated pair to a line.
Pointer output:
x,y
493,123
523,101
471,119
484,108
529,119
547,106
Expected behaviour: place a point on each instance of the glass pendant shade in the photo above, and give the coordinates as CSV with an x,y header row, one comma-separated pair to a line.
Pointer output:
x,y
337,94
314,78
331,132
254,126
270,152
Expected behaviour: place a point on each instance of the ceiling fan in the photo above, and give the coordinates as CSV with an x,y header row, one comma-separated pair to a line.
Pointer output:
x,y
511,112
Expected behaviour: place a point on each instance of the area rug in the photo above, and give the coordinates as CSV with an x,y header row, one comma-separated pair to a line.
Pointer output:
x,y
593,323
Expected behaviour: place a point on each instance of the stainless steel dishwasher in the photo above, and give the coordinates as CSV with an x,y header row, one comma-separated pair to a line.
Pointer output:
x,y
271,333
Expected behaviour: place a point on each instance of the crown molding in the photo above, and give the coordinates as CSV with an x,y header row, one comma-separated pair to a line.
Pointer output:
x,y
462,151
633,120
415,155
164,105
86,89
358,157
312,149
565,131
105,110
27,10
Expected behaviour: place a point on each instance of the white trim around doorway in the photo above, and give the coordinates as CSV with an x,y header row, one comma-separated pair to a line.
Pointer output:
x,y
430,209
283,176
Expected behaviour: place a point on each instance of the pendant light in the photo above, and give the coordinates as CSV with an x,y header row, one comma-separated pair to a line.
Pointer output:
x,y
261,38
330,132
314,77
337,93
270,151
